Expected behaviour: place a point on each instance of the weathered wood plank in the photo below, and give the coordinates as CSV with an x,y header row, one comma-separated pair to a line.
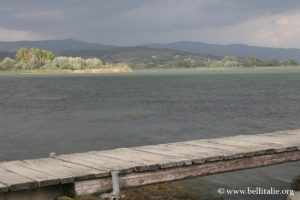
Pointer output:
x,y
141,159
46,166
295,132
196,155
241,148
163,151
42,179
178,157
262,148
279,144
15,181
276,142
64,171
80,171
211,154
190,156
83,188
103,163
62,168
229,150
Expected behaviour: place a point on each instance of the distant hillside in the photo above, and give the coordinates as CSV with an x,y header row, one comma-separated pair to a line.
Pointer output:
x,y
239,50
6,54
56,46
144,57
115,53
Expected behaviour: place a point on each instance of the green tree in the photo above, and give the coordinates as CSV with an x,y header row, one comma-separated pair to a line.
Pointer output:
x,y
230,59
33,56
274,62
34,62
250,61
23,55
7,63
262,63
42,55
290,62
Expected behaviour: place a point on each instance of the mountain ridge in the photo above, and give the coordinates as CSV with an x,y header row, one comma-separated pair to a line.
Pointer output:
x,y
238,50
56,46
201,48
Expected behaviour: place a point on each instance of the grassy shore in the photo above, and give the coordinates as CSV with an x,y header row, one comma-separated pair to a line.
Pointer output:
x,y
126,70
164,191
61,71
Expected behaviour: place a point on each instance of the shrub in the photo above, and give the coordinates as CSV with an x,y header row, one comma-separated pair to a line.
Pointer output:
x,y
33,57
250,61
290,62
93,63
7,63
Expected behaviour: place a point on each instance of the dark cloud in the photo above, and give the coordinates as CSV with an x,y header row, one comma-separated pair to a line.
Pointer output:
x,y
132,21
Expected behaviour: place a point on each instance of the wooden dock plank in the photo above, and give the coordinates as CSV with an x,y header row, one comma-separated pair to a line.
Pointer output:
x,y
103,163
185,152
263,148
54,170
179,157
150,160
15,181
75,170
42,179
139,164
79,171
225,153
280,144
211,154
229,150
283,138
295,132
42,165
168,149
258,143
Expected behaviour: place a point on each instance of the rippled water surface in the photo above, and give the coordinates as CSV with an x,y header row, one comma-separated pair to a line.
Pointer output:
x,y
75,113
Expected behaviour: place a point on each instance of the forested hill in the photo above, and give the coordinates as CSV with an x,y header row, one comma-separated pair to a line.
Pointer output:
x,y
145,57
56,46
238,50
75,46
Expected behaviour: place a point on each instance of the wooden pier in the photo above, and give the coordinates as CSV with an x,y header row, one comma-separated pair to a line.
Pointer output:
x,y
90,173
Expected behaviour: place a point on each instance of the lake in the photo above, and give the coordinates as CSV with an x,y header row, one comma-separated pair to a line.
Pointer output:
x,y
71,113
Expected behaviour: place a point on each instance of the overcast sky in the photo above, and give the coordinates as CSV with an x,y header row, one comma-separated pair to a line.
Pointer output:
x,y
273,23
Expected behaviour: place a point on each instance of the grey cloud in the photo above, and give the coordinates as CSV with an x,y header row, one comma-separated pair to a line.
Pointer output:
x,y
131,21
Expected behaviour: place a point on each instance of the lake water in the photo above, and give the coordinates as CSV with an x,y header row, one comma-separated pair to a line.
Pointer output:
x,y
76,113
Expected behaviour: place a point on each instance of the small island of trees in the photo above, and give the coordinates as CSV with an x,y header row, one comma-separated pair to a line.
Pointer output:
x,y
43,60
39,60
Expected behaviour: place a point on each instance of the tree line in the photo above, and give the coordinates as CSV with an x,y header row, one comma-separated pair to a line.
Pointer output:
x,y
35,59
250,61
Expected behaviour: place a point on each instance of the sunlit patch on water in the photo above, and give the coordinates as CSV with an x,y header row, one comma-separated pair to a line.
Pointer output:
x,y
46,98
127,117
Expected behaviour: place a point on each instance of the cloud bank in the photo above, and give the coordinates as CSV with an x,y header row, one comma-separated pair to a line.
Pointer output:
x,y
131,22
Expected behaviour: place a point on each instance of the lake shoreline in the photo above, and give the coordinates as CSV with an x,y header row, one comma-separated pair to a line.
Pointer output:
x,y
86,71
117,70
